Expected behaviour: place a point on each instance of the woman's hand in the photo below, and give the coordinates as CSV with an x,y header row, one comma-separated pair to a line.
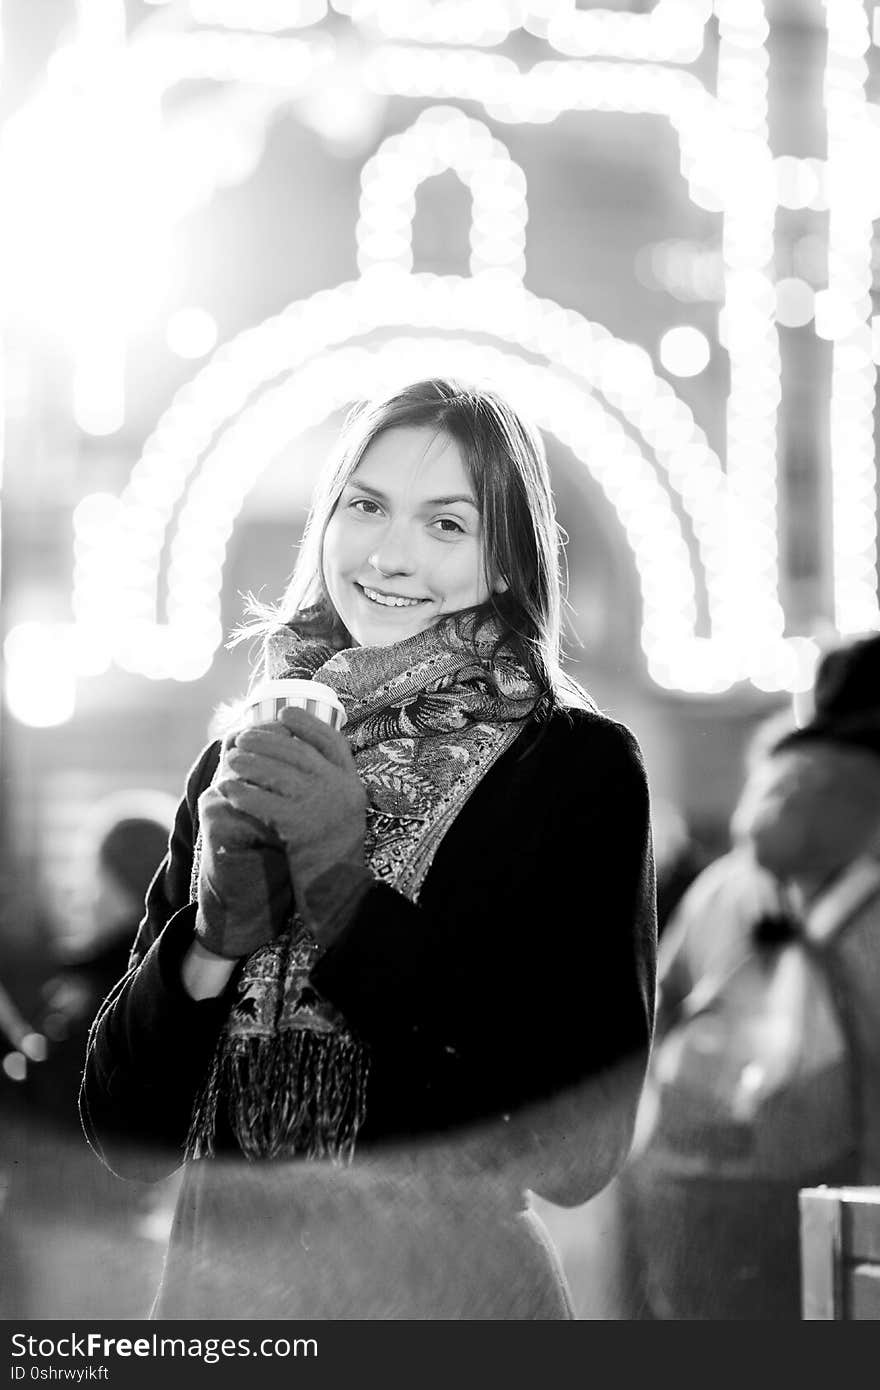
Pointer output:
x,y
244,890
299,778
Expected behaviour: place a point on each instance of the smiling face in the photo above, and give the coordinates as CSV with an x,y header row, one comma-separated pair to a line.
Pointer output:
x,y
404,546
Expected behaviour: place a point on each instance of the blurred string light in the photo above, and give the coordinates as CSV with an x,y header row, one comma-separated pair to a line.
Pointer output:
x,y
795,302
690,271
541,93
537,94
211,142
438,21
747,327
91,155
191,332
338,105
39,674
443,138
29,1046
99,328
270,16
135,229
724,158
673,31
801,183
200,434
843,315
323,386
79,211
101,25
684,351
383,298
267,60
16,1032
95,601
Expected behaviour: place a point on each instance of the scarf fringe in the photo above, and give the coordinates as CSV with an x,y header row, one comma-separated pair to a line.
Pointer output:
x,y
317,1082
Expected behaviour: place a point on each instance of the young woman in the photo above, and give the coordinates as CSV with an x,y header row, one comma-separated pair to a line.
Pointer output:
x,y
411,961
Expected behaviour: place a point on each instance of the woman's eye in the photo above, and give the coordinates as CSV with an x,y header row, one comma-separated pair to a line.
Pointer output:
x,y
449,526
366,505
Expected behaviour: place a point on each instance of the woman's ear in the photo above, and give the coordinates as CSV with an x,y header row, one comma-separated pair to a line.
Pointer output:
x,y
500,586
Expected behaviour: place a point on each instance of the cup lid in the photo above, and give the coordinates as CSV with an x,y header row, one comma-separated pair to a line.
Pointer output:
x,y
279,688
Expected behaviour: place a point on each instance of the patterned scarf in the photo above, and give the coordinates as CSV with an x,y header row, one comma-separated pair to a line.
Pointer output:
x,y
427,718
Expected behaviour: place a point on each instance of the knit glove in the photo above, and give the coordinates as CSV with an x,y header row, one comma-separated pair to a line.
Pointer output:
x,y
244,890
307,790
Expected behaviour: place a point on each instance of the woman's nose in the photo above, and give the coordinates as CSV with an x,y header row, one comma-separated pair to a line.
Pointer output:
x,y
394,554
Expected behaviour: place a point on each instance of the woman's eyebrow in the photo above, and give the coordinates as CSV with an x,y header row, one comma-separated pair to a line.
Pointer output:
x,y
380,496
449,501
360,486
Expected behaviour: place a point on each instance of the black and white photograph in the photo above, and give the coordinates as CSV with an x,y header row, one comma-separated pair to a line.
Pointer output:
x,y
440,624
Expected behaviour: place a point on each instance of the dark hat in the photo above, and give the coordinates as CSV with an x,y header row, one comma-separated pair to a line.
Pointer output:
x,y
132,851
846,698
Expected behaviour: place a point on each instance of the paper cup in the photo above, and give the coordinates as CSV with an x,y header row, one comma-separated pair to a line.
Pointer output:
x,y
270,698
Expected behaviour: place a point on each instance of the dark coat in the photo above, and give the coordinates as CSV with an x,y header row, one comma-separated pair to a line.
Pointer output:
x,y
513,1002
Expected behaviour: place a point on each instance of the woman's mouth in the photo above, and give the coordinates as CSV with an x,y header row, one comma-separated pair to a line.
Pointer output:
x,y
385,600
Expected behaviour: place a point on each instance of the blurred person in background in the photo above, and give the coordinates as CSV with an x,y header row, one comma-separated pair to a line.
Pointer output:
x,y
805,863
412,961
126,841
678,856
734,879
19,1044
606,1253
75,1246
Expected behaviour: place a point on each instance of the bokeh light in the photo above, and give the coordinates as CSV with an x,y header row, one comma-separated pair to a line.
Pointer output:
x,y
684,351
40,677
795,302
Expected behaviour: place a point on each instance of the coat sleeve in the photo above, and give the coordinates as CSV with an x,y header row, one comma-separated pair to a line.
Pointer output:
x,y
518,994
150,1043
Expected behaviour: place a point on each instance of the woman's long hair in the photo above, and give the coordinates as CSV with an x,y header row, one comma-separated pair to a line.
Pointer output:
x,y
507,465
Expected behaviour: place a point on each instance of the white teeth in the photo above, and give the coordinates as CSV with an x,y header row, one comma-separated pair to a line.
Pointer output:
x,y
389,600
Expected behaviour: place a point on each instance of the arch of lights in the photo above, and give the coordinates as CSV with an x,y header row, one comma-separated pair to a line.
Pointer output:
x,y
443,138
385,296
672,31
724,154
321,387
